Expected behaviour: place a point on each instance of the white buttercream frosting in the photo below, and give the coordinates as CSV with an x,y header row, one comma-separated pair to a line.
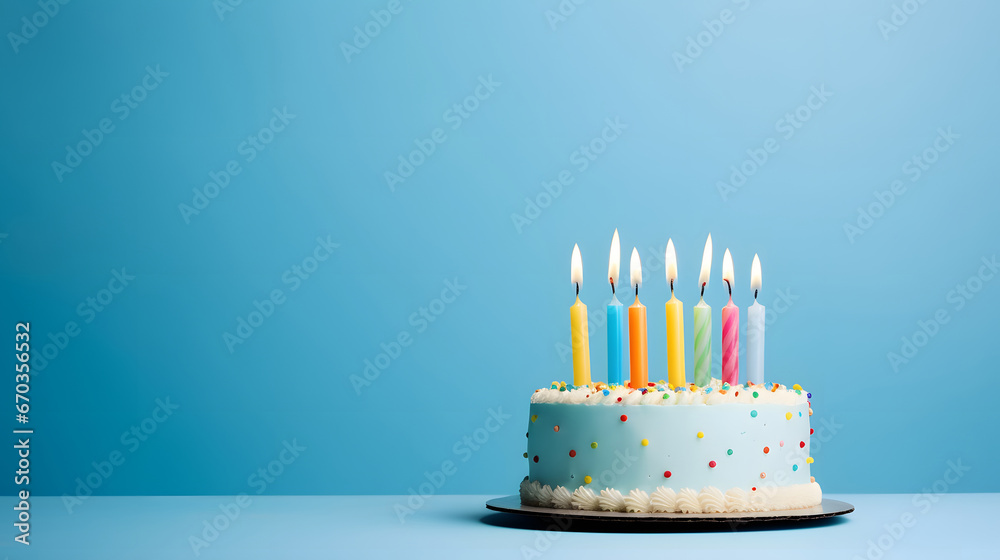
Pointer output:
x,y
584,498
612,500
637,501
715,394
666,500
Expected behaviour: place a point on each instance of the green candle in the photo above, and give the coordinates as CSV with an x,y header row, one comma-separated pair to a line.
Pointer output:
x,y
703,324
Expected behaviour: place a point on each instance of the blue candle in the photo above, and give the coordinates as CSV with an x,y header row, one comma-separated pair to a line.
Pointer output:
x,y
616,342
617,358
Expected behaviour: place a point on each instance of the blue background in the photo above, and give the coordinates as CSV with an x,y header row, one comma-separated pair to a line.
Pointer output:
x,y
853,298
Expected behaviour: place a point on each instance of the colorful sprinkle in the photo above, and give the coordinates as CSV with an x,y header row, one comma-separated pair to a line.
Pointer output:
x,y
593,445
619,399
666,474
763,475
711,464
788,416
572,453
812,479
797,387
795,468
555,428
736,394
755,394
809,460
534,417
766,450
753,489
811,431
810,412
606,392
729,452
802,444
781,443
535,459
587,479
753,413
666,396
701,434
800,414
809,395
624,417
525,454
644,442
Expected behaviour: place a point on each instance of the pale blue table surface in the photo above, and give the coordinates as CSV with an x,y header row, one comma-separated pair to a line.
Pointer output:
x,y
956,526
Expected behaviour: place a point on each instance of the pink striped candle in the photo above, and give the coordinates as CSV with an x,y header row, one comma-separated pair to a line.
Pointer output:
x,y
730,328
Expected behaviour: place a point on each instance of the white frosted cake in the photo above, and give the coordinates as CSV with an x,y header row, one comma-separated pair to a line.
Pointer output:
x,y
687,450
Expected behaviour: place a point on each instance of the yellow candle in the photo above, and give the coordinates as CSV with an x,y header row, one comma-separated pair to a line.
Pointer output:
x,y
675,324
638,351
578,325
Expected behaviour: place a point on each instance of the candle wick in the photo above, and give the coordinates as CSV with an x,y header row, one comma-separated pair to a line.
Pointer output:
x,y
636,290
577,289
730,286
703,289
671,286
612,286
755,295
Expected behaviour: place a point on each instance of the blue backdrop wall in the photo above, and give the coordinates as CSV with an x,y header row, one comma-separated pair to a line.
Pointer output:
x,y
311,248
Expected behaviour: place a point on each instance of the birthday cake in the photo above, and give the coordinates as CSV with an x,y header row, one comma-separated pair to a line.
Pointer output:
x,y
691,449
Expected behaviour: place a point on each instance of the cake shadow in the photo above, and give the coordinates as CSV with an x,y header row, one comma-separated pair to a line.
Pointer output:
x,y
576,525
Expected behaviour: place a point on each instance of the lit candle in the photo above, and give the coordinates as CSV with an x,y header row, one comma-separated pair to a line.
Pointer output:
x,y
755,329
730,328
703,324
578,325
616,319
638,353
675,324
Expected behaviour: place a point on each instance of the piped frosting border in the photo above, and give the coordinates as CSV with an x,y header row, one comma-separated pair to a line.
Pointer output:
x,y
667,500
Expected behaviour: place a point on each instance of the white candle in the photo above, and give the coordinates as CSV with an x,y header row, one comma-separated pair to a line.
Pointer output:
x,y
755,329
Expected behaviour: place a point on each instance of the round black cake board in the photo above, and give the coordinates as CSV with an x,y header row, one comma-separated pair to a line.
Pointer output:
x,y
611,520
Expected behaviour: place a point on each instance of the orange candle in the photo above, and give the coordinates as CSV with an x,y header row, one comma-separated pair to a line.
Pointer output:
x,y
638,351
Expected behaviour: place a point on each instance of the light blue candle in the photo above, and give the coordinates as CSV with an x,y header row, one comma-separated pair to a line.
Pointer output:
x,y
617,357
617,364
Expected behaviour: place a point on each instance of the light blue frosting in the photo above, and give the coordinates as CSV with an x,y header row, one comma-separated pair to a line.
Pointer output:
x,y
620,461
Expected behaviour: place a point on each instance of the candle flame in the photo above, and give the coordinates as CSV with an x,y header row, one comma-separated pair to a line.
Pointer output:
x,y
576,267
635,269
671,261
706,263
614,261
727,269
755,275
